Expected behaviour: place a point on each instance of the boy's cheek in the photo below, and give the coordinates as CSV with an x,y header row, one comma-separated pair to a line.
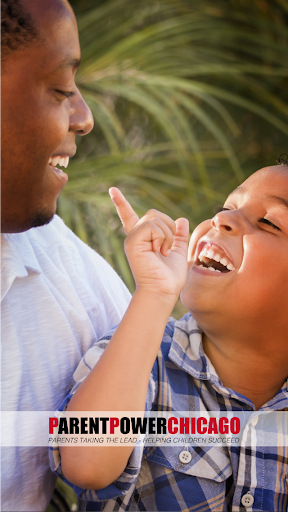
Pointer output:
x,y
198,233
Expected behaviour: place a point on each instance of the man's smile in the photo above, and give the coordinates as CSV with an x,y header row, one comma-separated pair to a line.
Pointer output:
x,y
60,160
63,161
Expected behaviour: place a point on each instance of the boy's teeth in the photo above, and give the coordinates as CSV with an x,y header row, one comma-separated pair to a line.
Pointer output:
x,y
213,254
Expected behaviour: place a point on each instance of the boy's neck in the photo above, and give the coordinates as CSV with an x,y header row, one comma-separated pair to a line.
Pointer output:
x,y
255,373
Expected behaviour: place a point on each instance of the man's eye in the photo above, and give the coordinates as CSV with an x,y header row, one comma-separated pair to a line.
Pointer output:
x,y
266,221
67,94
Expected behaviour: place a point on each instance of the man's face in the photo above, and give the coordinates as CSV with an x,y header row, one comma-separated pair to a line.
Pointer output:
x,y
247,244
42,111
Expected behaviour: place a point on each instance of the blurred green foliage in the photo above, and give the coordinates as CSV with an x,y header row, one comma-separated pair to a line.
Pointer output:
x,y
189,98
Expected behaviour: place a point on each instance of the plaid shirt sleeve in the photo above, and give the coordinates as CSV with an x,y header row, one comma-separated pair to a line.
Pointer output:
x,y
123,484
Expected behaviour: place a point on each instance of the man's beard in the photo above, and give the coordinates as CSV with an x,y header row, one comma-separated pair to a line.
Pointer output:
x,y
41,218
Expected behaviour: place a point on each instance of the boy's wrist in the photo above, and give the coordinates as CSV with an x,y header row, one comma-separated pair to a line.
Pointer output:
x,y
165,301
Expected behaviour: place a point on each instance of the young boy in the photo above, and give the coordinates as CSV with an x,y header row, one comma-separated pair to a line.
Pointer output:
x,y
230,355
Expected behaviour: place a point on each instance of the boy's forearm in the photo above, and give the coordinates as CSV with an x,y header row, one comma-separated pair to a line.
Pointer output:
x,y
118,382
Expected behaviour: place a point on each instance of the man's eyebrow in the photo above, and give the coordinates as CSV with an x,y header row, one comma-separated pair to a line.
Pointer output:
x,y
69,62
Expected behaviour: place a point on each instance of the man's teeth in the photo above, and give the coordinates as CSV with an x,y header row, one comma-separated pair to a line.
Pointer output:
x,y
62,161
214,254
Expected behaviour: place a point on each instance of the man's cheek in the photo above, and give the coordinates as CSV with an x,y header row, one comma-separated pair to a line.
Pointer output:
x,y
56,127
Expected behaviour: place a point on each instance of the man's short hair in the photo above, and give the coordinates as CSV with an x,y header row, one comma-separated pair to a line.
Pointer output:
x,y
17,27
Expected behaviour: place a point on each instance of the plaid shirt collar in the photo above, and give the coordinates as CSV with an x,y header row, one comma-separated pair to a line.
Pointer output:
x,y
187,352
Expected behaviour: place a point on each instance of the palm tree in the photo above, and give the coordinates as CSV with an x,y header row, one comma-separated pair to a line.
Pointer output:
x,y
188,99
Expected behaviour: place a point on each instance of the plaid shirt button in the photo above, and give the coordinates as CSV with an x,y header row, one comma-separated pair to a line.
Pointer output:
x,y
185,457
247,500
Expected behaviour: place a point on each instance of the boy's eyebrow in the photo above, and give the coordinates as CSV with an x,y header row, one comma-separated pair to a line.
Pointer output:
x,y
271,198
238,189
277,199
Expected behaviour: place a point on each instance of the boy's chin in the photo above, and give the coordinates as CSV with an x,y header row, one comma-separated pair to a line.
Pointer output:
x,y
187,300
197,302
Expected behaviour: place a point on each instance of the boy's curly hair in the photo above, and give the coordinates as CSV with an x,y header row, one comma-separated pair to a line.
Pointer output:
x,y
282,159
17,27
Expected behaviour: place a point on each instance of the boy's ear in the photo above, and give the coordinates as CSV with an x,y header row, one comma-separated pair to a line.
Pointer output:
x,y
198,232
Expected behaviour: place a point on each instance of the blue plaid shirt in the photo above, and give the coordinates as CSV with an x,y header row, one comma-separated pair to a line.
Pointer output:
x,y
217,477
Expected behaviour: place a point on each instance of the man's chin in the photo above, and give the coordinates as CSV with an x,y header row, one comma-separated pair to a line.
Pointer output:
x,y
18,224
41,218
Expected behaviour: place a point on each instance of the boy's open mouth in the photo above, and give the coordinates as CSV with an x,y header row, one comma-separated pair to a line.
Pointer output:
x,y
214,258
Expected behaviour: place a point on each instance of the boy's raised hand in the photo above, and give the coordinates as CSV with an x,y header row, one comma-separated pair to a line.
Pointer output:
x,y
156,248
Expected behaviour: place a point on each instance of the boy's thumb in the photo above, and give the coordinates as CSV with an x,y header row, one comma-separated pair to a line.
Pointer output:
x,y
181,237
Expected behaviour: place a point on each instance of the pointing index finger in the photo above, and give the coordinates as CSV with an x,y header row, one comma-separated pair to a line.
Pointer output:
x,y
125,211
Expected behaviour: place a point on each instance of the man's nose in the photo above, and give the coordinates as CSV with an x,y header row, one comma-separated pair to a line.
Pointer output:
x,y
227,220
81,119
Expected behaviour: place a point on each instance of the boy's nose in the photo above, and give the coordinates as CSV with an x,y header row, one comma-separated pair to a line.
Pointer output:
x,y
226,221
81,119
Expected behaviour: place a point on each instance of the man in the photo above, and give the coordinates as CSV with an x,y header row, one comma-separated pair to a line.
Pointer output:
x,y
57,295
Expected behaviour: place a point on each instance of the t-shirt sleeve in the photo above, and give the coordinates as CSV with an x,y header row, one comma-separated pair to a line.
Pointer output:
x,y
128,478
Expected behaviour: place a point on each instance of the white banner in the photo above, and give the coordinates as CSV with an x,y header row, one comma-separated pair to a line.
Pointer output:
x,y
47,428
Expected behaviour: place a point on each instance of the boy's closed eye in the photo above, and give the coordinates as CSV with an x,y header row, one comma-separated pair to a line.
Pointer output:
x,y
266,221
219,209
261,219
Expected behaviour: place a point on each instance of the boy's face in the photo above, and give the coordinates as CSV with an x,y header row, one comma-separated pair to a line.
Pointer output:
x,y
250,237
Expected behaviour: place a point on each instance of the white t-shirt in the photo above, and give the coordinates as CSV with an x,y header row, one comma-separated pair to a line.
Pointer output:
x,y
57,298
